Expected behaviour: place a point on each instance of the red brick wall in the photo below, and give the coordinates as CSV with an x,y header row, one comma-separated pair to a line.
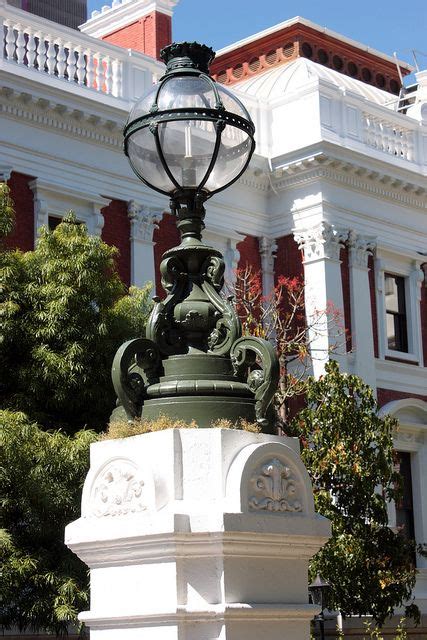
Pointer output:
x,y
22,236
288,258
373,304
148,34
388,395
165,236
249,254
116,232
345,278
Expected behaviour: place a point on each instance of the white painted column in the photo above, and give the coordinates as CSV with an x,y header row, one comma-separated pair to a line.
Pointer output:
x,y
267,249
41,210
202,534
143,221
323,292
95,223
360,248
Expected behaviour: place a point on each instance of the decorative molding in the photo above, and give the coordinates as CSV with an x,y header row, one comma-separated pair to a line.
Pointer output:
x,y
120,14
360,248
268,249
351,175
117,490
59,117
5,173
274,488
143,221
320,242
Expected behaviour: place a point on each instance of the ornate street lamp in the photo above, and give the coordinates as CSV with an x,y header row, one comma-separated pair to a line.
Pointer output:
x,y
319,590
190,138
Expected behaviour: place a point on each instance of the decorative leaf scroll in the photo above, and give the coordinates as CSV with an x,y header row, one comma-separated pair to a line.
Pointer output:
x,y
274,488
133,359
118,490
263,382
228,327
161,327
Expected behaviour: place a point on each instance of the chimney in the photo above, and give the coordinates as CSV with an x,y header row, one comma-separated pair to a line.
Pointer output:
x,y
141,25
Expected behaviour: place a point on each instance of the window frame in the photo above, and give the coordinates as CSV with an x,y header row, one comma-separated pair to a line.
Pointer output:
x,y
408,267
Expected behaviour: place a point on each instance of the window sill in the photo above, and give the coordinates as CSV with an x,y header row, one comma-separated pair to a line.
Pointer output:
x,y
401,356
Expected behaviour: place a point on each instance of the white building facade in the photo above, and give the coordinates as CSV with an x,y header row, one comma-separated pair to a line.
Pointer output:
x,y
336,189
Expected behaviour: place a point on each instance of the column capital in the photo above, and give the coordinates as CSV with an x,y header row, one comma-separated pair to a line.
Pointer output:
x,y
5,173
144,220
321,242
268,249
360,248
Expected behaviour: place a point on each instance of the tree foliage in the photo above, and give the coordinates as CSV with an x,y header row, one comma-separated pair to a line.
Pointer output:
x,y
43,585
348,450
64,313
280,318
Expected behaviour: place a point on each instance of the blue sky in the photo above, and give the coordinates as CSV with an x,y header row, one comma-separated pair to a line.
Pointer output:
x,y
382,24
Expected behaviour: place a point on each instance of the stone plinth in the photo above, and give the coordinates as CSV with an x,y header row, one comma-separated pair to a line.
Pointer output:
x,y
198,535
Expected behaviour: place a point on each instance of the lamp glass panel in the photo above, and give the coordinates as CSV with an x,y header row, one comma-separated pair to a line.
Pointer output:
x,y
144,158
233,155
231,103
184,92
188,147
143,106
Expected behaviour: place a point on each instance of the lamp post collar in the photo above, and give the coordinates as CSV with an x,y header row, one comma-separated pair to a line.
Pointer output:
x,y
187,56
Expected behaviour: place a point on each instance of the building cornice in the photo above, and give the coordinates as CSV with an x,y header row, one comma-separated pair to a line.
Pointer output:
x,y
57,116
408,190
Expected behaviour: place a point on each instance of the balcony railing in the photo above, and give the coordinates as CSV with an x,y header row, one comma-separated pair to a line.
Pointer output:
x,y
72,57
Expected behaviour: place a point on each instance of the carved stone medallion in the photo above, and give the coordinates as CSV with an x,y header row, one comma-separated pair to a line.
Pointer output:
x,y
274,488
118,490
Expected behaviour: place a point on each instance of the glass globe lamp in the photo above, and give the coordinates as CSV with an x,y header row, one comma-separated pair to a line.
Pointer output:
x,y
188,136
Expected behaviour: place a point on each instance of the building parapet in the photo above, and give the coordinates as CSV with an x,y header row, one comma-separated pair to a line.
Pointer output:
x,y
68,57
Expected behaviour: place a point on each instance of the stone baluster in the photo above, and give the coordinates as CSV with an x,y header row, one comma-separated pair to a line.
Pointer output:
x,y
51,56
90,69
60,59
10,42
116,69
71,62
81,66
20,45
31,49
98,71
41,53
107,75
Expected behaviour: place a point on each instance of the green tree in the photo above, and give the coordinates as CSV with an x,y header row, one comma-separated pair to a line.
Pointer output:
x,y
64,313
43,585
348,451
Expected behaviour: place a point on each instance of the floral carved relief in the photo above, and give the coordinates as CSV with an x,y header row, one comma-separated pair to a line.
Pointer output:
x,y
274,488
118,490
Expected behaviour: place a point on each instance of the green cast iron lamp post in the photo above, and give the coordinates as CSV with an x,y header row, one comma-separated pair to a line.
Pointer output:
x,y
190,138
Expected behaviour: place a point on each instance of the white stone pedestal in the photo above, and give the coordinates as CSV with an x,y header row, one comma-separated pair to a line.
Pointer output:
x,y
198,534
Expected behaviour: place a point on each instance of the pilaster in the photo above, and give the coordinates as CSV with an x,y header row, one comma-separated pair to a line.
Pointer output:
x,y
143,221
267,249
360,248
323,291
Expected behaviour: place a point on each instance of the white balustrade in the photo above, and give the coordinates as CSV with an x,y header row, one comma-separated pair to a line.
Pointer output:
x,y
389,137
64,59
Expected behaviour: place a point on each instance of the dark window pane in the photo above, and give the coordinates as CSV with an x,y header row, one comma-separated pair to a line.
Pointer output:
x,y
396,325
404,508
